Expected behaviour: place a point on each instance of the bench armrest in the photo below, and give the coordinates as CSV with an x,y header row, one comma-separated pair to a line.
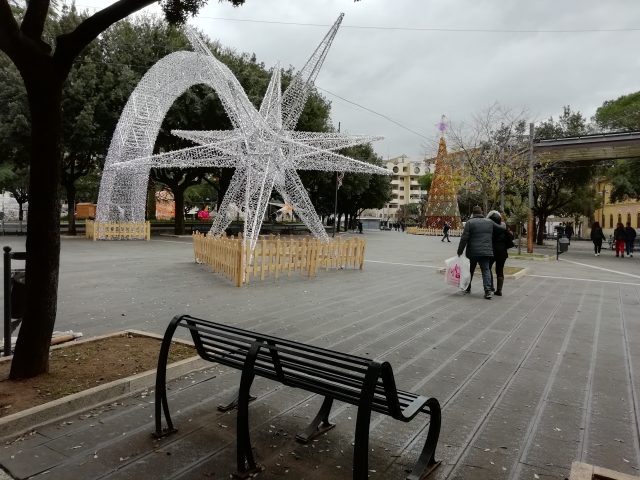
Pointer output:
x,y
414,407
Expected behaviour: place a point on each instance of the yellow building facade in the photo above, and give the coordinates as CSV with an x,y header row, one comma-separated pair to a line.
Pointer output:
x,y
612,213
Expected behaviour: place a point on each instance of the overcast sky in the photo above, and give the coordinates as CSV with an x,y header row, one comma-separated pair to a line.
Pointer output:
x,y
426,58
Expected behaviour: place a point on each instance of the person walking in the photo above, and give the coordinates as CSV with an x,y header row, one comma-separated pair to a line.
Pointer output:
x,y
568,231
630,238
445,232
597,236
620,237
502,240
477,241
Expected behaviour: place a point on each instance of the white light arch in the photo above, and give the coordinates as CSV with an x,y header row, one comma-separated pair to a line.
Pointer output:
x,y
123,188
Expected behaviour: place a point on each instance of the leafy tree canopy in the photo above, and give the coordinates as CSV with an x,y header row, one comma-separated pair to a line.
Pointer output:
x,y
425,181
622,113
625,180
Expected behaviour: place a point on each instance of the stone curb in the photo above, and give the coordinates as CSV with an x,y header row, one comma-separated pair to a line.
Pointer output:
x,y
538,258
21,422
520,273
584,471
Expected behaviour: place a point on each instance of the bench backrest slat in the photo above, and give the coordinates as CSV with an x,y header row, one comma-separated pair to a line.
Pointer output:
x,y
211,346
203,325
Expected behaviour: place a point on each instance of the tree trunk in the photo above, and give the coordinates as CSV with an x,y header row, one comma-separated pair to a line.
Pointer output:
x,y
20,211
71,208
540,229
178,197
151,200
44,91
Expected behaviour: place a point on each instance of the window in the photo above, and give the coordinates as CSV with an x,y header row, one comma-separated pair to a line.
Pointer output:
x,y
405,169
619,218
396,169
638,221
604,224
416,170
401,197
611,220
628,218
401,188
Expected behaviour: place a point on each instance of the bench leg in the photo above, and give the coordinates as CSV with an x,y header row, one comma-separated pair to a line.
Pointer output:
x,y
319,425
161,403
233,403
246,464
361,447
426,461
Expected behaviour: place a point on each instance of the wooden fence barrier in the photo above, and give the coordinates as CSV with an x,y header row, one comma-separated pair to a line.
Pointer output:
x,y
437,232
117,231
275,256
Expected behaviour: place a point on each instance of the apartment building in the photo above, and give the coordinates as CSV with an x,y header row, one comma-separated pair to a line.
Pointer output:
x,y
404,184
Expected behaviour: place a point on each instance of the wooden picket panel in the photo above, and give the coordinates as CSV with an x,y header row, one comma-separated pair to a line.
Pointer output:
x,y
90,229
274,256
117,231
434,232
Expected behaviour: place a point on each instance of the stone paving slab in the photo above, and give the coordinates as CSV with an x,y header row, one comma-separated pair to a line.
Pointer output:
x,y
546,375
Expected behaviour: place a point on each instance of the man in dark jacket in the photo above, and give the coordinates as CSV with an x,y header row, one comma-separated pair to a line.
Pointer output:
x,y
568,231
629,238
445,232
477,239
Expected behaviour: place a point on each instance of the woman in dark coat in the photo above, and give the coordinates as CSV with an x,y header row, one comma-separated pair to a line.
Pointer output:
x,y
597,236
501,238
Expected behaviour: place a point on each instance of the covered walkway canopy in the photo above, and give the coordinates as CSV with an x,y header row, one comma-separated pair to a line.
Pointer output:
x,y
600,146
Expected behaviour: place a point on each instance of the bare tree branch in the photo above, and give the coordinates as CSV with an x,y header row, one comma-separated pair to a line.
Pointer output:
x,y
34,18
9,30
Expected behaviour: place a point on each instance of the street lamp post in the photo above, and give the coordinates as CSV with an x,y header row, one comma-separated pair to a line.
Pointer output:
x,y
530,231
339,177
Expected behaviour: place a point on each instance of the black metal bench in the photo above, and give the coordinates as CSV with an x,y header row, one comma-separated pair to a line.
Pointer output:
x,y
368,384
201,227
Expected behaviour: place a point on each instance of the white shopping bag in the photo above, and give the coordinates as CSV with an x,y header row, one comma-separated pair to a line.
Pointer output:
x,y
458,272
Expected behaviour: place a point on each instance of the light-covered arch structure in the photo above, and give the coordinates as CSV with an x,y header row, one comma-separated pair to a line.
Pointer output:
x,y
262,145
123,188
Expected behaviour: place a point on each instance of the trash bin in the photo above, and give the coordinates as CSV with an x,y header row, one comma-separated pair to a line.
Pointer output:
x,y
18,296
563,244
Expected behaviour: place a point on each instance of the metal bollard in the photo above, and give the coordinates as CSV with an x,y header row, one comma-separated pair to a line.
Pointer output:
x,y
7,301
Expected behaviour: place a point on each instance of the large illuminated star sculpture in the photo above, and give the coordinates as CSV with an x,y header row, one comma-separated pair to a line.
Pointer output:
x,y
262,146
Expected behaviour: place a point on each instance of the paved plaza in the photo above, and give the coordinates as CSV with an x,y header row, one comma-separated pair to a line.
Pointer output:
x,y
529,382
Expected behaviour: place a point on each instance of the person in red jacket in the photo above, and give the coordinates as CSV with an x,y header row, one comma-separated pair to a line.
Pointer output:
x,y
620,237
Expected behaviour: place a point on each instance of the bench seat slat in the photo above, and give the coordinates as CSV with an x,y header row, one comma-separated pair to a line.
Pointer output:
x,y
304,365
235,359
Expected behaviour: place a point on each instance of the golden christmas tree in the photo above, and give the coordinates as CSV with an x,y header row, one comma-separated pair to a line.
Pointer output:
x,y
442,204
